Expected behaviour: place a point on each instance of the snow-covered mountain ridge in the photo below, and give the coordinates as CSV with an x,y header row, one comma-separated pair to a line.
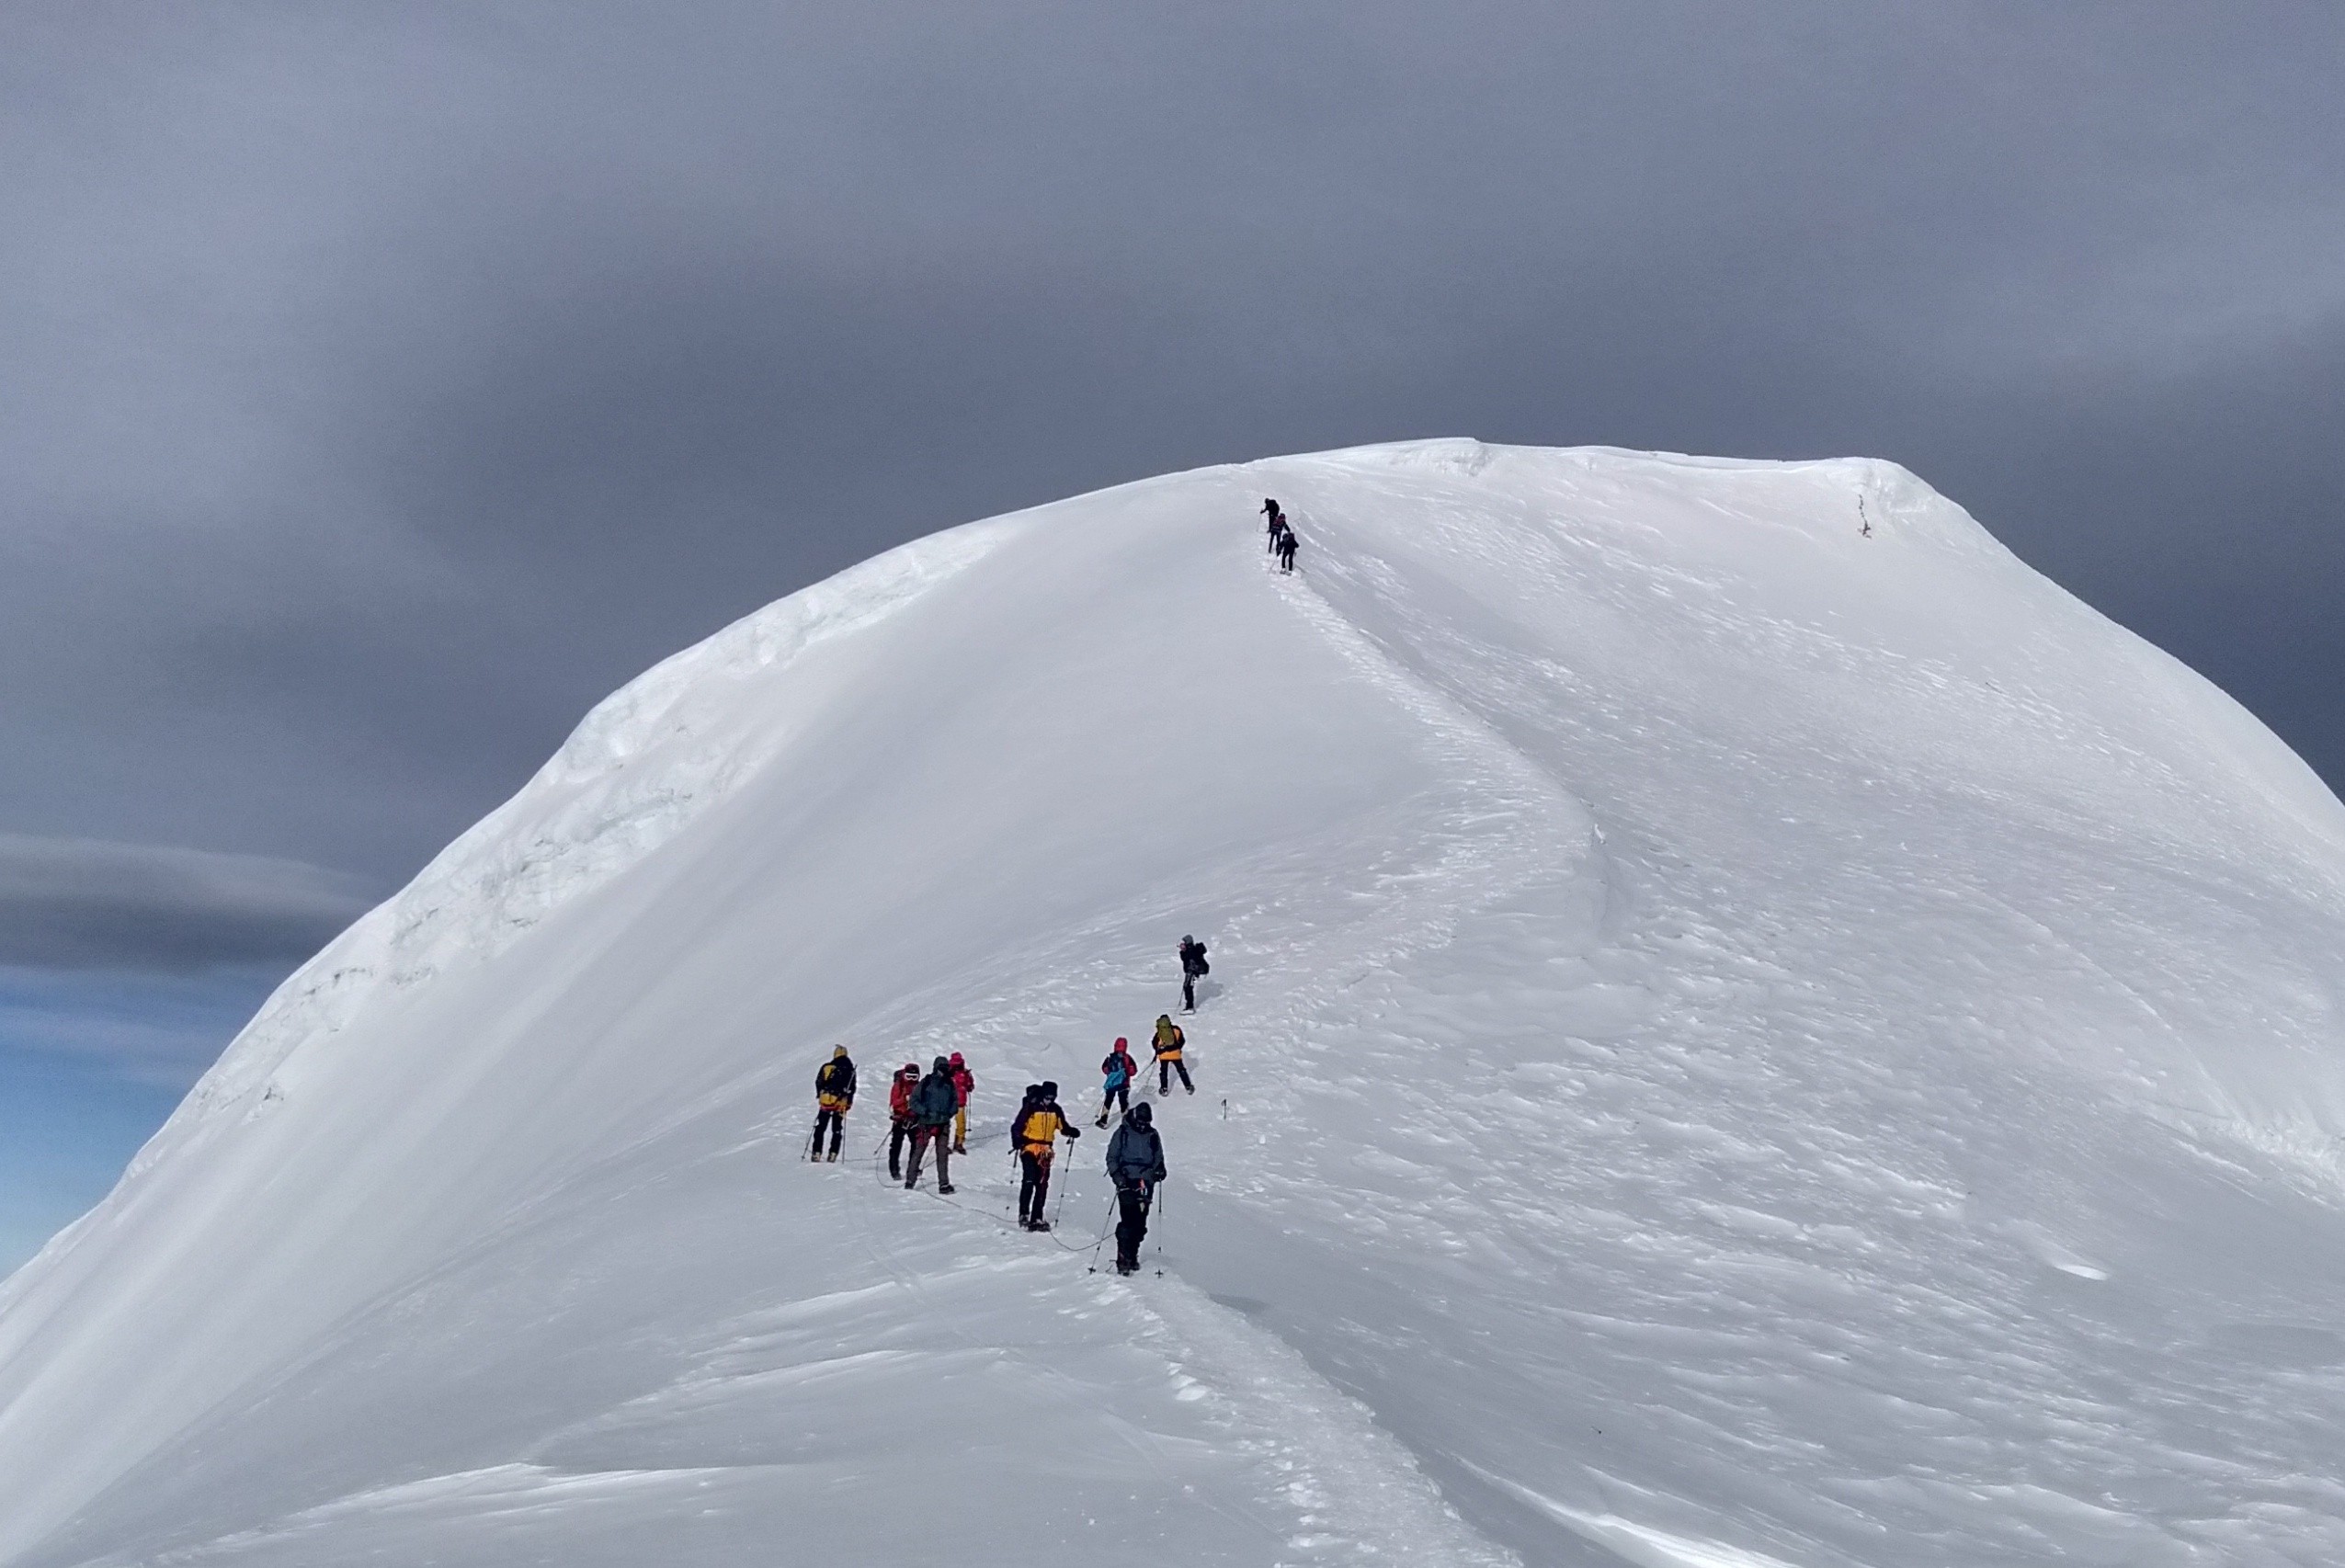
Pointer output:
x,y
1748,1027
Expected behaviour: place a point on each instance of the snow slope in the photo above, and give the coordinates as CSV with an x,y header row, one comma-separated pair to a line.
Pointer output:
x,y
1734,1042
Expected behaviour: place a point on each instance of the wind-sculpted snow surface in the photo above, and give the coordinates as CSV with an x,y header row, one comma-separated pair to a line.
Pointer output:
x,y
648,759
1736,1040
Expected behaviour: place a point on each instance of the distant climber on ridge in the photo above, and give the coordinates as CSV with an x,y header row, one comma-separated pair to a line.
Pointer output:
x,y
1168,1045
1136,1165
963,1081
833,1097
1274,522
1193,967
1118,1070
1035,1136
1286,547
899,1110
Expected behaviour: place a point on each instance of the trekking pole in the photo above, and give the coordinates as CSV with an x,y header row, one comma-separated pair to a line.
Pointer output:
x,y
1104,1224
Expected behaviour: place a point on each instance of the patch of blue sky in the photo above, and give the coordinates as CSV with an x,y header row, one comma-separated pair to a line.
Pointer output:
x,y
91,1062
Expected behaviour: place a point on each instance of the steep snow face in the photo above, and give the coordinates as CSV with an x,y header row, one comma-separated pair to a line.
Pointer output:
x,y
1735,1039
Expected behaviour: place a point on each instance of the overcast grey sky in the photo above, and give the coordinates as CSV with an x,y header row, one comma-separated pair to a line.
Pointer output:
x,y
380,385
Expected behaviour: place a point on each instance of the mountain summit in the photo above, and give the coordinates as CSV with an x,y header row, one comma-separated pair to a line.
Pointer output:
x,y
1746,1029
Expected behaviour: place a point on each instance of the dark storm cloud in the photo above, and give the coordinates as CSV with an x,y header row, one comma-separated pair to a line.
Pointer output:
x,y
385,384
77,903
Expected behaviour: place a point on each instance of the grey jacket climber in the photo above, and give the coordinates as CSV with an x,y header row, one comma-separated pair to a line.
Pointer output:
x,y
1136,1154
936,1099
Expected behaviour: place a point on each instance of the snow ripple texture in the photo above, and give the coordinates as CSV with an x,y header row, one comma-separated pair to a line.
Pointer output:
x,y
1735,1041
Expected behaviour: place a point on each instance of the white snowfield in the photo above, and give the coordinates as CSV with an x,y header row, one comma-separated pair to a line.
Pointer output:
x,y
1734,1042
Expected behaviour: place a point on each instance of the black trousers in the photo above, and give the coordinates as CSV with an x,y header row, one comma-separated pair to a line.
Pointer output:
x,y
1187,991
1166,1067
836,1121
1033,1185
1116,1099
899,1134
1131,1225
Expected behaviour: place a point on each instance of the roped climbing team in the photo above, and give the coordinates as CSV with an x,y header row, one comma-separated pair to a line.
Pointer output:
x,y
931,1110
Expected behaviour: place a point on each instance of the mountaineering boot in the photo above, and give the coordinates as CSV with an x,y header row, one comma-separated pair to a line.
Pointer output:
x,y
943,1191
